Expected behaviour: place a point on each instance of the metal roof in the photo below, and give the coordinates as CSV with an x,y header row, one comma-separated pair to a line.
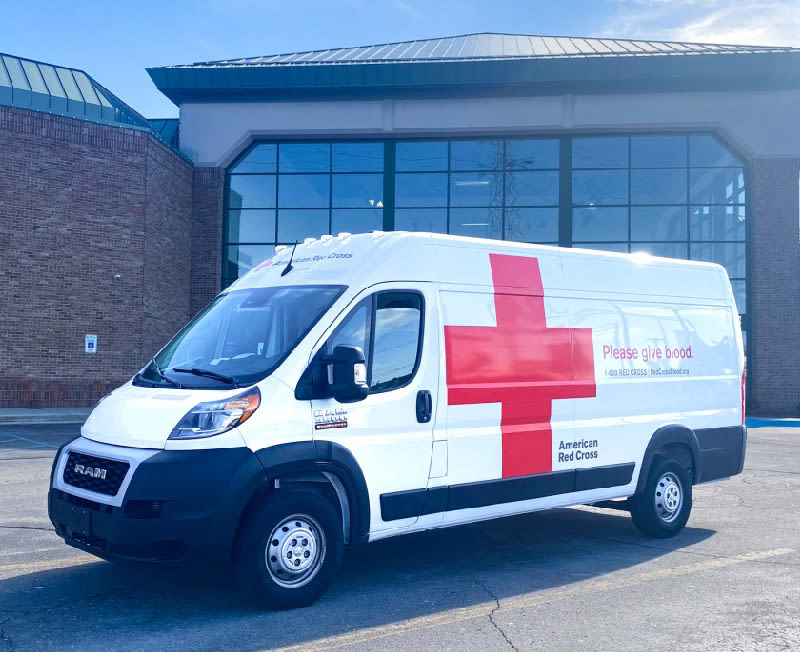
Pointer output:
x,y
166,129
40,86
486,46
484,64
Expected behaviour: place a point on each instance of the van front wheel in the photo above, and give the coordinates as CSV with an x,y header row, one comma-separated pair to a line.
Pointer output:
x,y
290,549
662,508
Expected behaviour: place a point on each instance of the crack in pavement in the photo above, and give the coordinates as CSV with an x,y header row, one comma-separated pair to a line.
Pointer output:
x,y
73,601
491,614
26,527
4,636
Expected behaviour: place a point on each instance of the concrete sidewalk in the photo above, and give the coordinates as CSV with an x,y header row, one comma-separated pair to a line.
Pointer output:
x,y
21,416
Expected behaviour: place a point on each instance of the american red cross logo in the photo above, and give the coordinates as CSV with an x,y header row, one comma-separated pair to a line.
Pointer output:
x,y
520,363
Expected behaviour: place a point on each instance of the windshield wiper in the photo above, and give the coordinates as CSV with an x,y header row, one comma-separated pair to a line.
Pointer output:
x,y
161,375
208,374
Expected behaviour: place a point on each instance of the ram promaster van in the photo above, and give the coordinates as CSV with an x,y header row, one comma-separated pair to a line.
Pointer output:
x,y
357,387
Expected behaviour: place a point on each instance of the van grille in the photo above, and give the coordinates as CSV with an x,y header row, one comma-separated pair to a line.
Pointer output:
x,y
95,473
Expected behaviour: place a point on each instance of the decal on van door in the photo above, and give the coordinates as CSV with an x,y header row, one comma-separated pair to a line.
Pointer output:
x,y
521,364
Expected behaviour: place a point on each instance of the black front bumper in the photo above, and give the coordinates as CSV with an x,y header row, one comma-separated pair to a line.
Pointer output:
x,y
179,505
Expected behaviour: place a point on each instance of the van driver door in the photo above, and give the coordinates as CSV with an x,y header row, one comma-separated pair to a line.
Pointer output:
x,y
390,432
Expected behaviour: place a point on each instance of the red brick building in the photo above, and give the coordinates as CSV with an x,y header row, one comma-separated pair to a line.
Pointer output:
x,y
95,235
112,225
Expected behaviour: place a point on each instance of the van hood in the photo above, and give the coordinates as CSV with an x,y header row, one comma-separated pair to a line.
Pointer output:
x,y
143,417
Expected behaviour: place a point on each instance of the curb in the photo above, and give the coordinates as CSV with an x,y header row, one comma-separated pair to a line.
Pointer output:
x,y
30,416
766,422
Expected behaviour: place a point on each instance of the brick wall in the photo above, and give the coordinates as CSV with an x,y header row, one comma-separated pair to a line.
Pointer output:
x,y
774,367
206,235
94,224
167,248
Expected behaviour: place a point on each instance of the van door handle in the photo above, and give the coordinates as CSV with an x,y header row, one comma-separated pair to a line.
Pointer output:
x,y
424,406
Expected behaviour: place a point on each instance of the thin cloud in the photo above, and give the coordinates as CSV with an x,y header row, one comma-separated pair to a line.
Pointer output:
x,y
746,22
404,7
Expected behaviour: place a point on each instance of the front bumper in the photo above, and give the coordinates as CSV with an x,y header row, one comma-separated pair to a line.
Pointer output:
x,y
175,505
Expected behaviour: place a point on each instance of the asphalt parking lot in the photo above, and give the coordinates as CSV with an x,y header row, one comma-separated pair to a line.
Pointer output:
x,y
580,578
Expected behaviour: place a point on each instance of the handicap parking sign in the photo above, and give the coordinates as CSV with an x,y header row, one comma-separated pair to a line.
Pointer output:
x,y
90,344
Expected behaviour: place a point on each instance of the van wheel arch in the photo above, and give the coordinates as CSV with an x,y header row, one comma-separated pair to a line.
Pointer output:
x,y
671,442
326,468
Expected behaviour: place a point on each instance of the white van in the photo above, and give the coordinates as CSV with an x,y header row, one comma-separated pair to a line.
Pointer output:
x,y
358,387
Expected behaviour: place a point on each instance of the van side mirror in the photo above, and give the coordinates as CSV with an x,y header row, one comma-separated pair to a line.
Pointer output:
x,y
348,374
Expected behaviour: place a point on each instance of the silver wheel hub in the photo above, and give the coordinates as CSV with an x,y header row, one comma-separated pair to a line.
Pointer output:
x,y
295,551
668,497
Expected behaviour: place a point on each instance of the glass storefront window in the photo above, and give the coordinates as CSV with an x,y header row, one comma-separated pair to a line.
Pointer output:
x,y
476,189
420,190
666,186
662,249
600,152
357,157
718,222
599,187
658,223
658,151
476,155
304,157
433,220
598,224
250,225
706,151
531,189
259,160
304,191
717,186
252,191
676,195
531,225
356,220
357,191
421,156
296,225
532,154
476,222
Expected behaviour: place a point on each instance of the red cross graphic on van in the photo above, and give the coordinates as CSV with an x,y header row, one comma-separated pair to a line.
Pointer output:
x,y
520,363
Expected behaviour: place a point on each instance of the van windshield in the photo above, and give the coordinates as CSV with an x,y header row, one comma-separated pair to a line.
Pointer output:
x,y
240,338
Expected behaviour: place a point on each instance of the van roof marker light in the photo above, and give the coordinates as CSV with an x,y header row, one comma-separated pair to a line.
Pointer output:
x,y
309,241
326,238
641,257
280,248
344,235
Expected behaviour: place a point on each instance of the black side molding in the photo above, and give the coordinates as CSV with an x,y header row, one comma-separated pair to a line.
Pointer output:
x,y
716,452
722,451
418,502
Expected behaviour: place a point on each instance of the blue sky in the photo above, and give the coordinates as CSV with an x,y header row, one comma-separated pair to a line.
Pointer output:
x,y
115,41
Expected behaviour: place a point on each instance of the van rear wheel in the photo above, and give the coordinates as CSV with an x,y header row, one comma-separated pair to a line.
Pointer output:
x,y
290,549
663,506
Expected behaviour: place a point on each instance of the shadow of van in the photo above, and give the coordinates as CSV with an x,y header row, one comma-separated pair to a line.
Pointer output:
x,y
98,606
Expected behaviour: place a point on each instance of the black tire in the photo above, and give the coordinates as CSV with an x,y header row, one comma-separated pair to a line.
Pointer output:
x,y
663,506
290,523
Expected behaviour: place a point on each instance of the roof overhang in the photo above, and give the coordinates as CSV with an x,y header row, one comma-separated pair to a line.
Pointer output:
x,y
533,76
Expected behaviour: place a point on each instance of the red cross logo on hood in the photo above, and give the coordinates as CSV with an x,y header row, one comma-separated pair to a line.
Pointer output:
x,y
520,363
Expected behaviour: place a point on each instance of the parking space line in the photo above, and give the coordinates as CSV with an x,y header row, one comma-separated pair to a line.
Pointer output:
x,y
34,566
25,439
12,553
527,601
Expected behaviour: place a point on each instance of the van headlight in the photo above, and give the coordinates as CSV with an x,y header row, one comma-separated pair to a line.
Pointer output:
x,y
215,417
